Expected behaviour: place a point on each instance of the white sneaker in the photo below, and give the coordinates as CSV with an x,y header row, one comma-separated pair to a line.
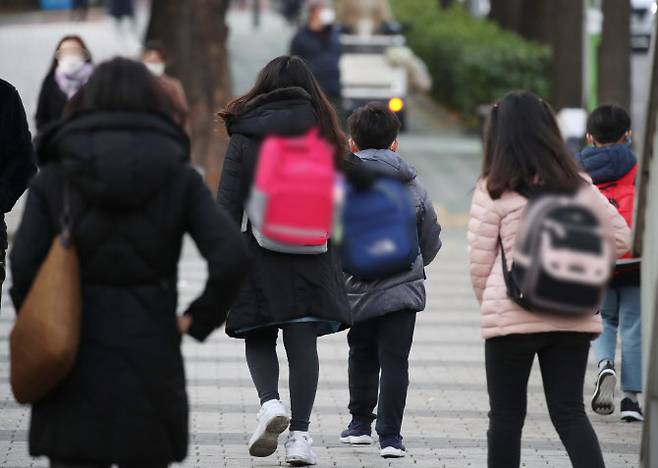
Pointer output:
x,y
273,419
298,449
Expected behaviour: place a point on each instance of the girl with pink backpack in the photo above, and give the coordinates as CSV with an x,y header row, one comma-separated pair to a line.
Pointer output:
x,y
277,181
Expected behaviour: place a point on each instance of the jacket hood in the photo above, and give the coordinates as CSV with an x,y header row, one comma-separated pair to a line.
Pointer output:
x,y
388,163
607,163
117,160
285,111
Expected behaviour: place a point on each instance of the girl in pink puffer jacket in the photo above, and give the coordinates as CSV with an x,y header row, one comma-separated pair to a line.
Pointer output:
x,y
523,147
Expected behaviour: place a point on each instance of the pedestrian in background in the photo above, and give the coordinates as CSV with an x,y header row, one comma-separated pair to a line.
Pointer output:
x,y
154,57
612,165
69,71
304,295
524,150
384,310
80,9
318,43
123,11
17,163
133,195
364,17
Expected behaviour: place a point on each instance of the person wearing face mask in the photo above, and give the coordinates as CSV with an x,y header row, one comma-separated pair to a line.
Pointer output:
x,y
69,71
154,57
318,43
365,16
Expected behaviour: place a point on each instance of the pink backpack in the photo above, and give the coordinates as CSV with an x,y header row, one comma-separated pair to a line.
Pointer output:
x,y
291,205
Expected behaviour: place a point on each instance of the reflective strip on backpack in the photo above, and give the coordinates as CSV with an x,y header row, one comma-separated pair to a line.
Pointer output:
x,y
296,231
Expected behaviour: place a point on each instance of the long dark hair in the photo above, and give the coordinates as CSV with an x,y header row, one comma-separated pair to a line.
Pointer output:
x,y
291,71
72,37
120,84
523,147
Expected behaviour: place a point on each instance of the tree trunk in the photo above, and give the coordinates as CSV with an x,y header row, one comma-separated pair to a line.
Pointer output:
x,y
559,24
615,54
567,43
194,33
507,13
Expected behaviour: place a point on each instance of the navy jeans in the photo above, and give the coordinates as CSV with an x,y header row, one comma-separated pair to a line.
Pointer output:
x,y
622,314
377,345
563,362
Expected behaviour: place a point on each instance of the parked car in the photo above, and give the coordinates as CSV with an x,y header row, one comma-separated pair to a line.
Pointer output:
x,y
643,18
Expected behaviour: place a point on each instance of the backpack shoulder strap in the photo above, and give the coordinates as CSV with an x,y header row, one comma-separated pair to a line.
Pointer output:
x,y
503,257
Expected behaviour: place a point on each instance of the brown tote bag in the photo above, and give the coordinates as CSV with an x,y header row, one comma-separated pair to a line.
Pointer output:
x,y
45,338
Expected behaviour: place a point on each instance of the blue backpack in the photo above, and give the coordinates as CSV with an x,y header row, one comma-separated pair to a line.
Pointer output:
x,y
380,237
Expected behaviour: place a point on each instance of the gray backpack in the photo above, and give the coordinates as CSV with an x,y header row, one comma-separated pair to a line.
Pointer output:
x,y
562,263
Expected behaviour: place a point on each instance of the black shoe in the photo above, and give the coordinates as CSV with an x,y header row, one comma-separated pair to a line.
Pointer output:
x,y
631,411
357,433
603,401
392,447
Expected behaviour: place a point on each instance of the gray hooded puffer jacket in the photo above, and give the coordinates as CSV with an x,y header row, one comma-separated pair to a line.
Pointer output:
x,y
404,291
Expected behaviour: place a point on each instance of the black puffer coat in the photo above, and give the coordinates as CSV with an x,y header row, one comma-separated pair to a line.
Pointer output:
x,y
52,101
280,287
121,8
133,196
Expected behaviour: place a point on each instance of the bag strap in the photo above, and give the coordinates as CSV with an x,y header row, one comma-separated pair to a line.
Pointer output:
x,y
503,257
66,218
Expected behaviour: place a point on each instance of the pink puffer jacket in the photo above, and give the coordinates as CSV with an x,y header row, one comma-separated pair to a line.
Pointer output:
x,y
490,218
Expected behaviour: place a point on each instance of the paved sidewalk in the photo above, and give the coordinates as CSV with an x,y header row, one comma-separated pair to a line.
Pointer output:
x,y
446,419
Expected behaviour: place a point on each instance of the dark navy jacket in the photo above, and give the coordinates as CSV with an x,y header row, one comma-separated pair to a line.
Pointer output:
x,y
321,51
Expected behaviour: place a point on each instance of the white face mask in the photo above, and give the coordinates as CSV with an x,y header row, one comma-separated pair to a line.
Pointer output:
x,y
327,16
69,65
157,68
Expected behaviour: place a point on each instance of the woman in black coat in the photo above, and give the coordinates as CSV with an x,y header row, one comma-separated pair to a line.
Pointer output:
x,y
302,294
69,71
120,8
133,197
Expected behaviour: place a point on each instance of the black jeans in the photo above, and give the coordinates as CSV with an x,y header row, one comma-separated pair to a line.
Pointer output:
x,y
563,362
300,341
56,464
381,345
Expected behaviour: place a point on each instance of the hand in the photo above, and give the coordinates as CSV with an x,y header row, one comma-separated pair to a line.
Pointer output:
x,y
184,324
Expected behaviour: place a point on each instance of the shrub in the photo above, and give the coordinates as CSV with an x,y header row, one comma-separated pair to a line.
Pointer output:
x,y
472,61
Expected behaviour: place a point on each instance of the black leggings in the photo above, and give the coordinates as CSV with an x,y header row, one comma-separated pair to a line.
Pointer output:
x,y
563,362
300,341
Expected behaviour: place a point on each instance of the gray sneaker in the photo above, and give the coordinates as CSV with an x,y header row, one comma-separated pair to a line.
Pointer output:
x,y
603,401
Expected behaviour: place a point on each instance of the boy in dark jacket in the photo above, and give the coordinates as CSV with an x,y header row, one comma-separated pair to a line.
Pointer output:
x,y
384,310
611,164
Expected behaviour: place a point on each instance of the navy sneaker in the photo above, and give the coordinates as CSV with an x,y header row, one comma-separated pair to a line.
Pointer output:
x,y
631,411
357,433
392,446
603,401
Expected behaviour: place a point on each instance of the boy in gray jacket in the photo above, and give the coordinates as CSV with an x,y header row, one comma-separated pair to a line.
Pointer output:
x,y
384,311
